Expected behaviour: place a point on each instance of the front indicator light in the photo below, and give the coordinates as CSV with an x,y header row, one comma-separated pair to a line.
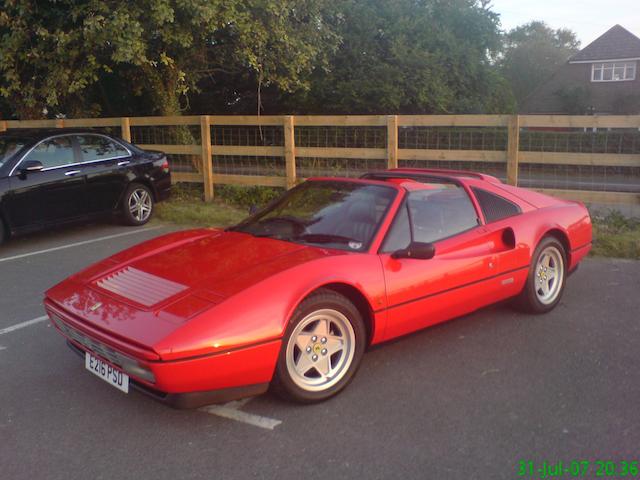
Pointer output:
x,y
137,370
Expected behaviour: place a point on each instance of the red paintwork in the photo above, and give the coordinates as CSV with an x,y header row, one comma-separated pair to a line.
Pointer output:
x,y
225,328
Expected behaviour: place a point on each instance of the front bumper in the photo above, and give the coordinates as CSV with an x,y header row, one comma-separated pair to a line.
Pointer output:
x,y
190,399
183,383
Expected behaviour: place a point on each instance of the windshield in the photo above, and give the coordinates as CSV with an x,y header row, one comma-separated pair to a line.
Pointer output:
x,y
331,213
9,146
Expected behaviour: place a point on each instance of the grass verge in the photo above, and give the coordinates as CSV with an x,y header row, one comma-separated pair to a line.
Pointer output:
x,y
614,234
185,207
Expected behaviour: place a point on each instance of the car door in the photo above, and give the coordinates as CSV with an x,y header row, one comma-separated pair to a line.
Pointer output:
x,y
461,276
106,165
55,193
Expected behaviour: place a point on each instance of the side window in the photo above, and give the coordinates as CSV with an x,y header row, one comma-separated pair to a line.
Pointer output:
x,y
494,207
429,215
441,212
55,152
399,235
96,147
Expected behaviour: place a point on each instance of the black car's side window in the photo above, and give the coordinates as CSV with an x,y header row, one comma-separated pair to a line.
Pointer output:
x,y
55,152
436,213
96,147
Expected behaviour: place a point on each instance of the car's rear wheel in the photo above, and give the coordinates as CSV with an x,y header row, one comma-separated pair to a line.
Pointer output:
x,y
322,348
547,277
138,204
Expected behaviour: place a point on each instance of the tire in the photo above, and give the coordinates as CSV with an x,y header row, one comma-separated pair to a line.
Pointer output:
x,y
137,204
544,290
322,349
3,232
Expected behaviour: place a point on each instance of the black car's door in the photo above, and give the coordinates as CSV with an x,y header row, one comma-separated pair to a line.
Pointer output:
x,y
106,165
55,193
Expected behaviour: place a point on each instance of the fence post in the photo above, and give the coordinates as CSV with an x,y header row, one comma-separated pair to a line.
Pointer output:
x,y
392,141
207,166
125,129
513,146
290,151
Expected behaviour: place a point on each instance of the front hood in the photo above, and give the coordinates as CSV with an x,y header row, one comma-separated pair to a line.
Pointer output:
x,y
217,265
170,279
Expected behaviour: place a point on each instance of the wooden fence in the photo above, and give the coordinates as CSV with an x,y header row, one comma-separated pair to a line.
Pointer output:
x,y
513,157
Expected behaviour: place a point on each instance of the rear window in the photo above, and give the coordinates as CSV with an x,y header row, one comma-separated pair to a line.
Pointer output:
x,y
494,207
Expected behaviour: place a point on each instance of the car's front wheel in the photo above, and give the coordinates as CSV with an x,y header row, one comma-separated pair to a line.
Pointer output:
x,y
322,348
138,204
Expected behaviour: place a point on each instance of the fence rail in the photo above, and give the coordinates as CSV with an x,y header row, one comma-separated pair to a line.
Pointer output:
x,y
280,150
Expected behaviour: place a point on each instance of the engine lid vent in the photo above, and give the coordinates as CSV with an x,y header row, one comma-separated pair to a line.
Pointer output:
x,y
141,287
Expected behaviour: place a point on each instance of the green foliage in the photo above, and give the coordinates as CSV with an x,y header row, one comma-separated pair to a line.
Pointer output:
x,y
532,52
185,207
247,196
574,100
616,235
51,52
410,56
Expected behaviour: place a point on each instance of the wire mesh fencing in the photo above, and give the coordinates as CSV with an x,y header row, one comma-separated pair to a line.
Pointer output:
x,y
567,173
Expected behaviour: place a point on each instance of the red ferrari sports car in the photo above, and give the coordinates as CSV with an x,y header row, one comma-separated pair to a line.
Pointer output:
x,y
292,296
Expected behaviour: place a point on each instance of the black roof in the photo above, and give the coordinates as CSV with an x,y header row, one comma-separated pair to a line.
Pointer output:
x,y
615,43
38,133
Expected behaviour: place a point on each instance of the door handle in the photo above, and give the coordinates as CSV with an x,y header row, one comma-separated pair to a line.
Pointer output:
x,y
71,173
124,162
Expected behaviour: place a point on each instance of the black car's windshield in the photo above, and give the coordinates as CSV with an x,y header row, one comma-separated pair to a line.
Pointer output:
x,y
9,146
338,214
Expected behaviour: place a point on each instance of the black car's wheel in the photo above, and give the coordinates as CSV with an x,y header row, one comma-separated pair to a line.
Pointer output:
x,y
137,205
547,277
322,348
3,232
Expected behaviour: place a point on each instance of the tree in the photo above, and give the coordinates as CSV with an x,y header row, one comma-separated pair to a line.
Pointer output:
x,y
574,100
532,52
409,56
52,53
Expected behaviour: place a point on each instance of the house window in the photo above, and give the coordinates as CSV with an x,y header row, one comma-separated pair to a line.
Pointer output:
x,y
613,71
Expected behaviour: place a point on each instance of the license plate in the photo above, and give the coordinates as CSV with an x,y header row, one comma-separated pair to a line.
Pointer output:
x,y
106,372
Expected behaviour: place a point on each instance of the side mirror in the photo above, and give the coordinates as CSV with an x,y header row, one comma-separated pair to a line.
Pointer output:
x,y
31,166
417,250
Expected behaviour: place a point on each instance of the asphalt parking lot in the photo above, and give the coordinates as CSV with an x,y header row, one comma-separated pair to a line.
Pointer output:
x,y
467,399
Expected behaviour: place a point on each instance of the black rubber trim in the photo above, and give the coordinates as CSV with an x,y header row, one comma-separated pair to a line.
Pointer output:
x,y
424,297
191,399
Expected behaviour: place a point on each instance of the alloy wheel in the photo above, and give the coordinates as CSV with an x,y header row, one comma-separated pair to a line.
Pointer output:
x,y
140,204
549,275
320,350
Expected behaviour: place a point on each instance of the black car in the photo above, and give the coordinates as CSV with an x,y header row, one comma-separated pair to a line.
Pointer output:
x,y
48,177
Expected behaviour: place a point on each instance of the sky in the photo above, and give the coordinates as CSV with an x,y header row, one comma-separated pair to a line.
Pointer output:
x,y
588,18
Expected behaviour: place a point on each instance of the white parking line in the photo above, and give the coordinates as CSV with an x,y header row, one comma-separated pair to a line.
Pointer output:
x,y
231,411
77,244
18,326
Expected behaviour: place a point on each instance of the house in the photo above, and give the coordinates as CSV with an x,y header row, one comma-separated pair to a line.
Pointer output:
x,y
602,78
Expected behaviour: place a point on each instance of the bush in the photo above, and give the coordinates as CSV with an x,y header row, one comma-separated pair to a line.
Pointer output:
x,y
242,196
